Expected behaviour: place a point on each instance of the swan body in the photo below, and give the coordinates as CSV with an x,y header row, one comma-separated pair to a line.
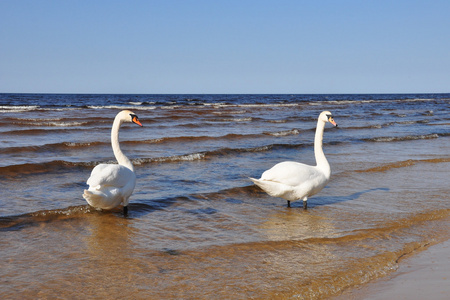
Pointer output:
x,y
294,181
113,184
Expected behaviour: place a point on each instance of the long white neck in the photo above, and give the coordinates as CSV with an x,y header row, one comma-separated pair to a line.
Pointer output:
x,y
321,160
121,158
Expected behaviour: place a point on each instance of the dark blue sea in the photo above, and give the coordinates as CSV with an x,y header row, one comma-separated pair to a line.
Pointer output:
x,y
197,227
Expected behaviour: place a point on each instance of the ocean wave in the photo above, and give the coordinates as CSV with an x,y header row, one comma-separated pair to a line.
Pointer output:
x,y
54,166
374,126
30,108
230,112
63,166
122,107
14,125
234,120
256,105
277,121
22,221
218,106
184,139
284,132
200,155
402,138
54,123
36,131
388,124
403,164
49,147
368,101
70,146
19,222
47,102
168,159
17,108
413,122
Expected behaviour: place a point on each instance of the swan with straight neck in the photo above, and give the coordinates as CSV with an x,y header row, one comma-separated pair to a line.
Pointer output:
x,y
112,184
296,181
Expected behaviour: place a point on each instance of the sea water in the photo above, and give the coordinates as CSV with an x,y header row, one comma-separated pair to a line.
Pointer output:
x,y
197,227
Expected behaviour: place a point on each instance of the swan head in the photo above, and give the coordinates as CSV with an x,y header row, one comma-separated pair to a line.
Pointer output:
x,y
128,116
327,116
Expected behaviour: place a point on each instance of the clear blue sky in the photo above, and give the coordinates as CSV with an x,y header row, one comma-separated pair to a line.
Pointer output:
x,y
212,46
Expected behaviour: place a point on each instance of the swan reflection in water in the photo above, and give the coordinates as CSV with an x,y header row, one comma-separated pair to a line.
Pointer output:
x,y
289,225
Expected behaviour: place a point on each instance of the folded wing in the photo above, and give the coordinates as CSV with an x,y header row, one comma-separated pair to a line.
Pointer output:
x,y
107,175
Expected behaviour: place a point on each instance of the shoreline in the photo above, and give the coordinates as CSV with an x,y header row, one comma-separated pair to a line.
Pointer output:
x,y
425,275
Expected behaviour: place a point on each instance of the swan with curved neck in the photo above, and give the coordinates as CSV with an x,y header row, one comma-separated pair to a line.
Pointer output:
x,y
113,184
294,181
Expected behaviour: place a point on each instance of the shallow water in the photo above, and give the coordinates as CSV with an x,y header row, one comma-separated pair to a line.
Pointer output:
x,y
197,227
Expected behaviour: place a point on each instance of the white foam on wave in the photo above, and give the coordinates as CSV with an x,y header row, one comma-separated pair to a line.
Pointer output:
x,y
60,109
406,138
26,108
121,107
17,108
347,102
48,122
170,107
60,124
73,144
237,112
176,158
285,132
236,120
262,105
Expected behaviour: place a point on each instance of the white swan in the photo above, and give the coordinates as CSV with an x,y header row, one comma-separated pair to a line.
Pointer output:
x,y
294,181
112,184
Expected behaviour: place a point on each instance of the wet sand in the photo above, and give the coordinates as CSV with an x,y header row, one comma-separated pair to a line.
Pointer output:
x,y
425,275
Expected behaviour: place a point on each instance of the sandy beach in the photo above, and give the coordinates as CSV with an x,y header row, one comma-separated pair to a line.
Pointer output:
x,y
425,275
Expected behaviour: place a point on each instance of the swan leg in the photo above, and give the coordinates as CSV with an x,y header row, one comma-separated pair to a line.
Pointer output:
x,y
289,204
125,210
305,203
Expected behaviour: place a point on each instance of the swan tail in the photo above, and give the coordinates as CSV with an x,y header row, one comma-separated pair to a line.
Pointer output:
x,y
94,199
91,198
105,199
275,189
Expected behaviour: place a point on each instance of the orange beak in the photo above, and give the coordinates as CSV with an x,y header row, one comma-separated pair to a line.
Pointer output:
x,y
332,122
135,120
